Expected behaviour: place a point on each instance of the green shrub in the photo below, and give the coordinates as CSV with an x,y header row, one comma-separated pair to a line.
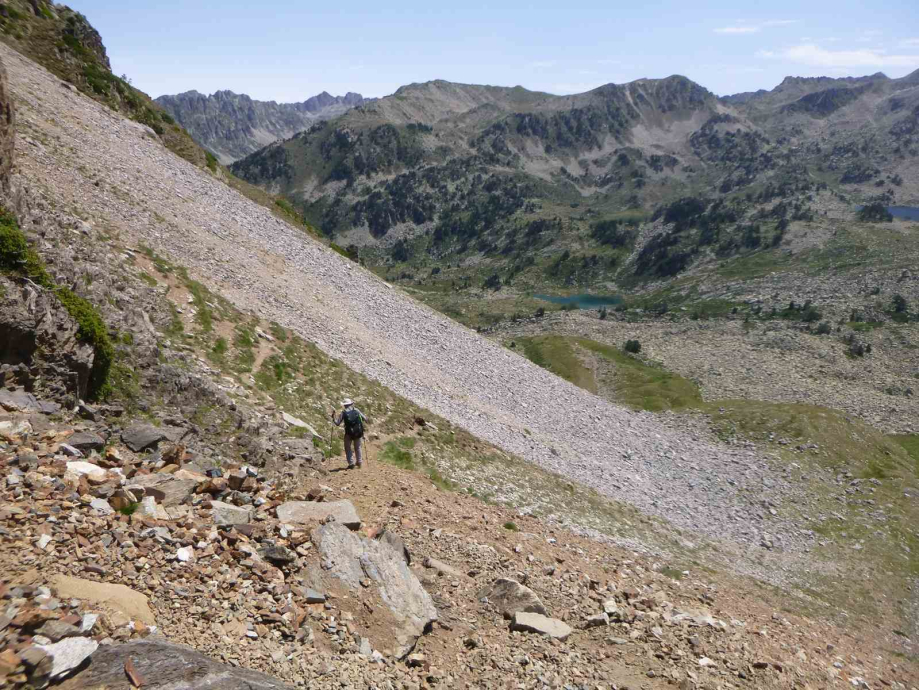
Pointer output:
x,y
824,328
510,527
211,158
632,347
17,257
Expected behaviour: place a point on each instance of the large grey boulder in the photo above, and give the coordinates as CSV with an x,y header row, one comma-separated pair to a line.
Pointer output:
x,y
227,514
86,441
164,666
510,597
168,490
305,512
536,623
142,437
353,560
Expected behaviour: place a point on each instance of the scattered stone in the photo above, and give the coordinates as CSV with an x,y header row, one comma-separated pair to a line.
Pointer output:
x,y
597,620
226,514
510,597
537,623
86,441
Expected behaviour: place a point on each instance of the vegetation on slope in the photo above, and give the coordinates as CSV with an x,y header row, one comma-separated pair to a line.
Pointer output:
x,y
18,258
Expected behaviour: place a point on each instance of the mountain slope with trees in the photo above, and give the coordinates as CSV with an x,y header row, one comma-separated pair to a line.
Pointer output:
x,y
603,190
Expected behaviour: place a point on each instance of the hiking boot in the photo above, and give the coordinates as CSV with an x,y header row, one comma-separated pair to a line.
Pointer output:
x,y
351,467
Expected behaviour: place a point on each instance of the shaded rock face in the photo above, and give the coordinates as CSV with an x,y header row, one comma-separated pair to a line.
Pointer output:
x,y
163,665
7,121
233,125
41,337
354,560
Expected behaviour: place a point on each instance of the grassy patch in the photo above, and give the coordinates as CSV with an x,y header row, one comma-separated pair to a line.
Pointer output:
x,y
511,526
556,354
646,386
129,509
910,443
394,454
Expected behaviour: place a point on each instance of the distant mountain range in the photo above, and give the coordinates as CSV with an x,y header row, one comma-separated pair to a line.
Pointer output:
x,y
508,180
234,125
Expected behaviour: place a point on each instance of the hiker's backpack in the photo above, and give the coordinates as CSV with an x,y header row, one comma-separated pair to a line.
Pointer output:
x,y
354,425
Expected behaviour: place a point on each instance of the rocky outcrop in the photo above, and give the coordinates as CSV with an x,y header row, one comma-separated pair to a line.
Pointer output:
x,y
233,125
162,665
41,348
357,562
7,140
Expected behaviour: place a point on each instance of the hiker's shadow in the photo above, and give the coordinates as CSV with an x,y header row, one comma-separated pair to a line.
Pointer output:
x,y
339,469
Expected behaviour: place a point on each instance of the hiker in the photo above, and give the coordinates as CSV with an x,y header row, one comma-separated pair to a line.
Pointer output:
x,y
354,430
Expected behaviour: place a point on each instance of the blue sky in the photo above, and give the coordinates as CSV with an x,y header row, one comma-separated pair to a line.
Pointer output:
x,y
287,51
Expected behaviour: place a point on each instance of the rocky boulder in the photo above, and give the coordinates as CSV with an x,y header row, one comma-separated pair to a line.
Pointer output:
x,y
142,437
543,625
165,488
356,561
160,665
305,512
226,514
510,597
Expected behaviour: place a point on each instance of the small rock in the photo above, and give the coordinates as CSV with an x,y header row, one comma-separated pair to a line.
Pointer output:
x,y
69,654
536,623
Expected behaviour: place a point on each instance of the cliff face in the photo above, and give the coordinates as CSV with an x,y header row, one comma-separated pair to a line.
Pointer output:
x,y
233,125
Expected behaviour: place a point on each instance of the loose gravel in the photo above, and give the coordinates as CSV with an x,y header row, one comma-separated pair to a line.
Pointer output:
x,y
117,174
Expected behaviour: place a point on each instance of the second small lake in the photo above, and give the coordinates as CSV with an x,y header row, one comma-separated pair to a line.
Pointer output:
x,y
908,212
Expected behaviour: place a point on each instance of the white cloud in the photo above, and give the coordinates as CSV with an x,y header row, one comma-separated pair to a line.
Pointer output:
x,y
543,63
910,43
737,30
742,27
815,56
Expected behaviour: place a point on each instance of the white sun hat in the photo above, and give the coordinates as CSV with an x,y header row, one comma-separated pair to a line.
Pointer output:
x,y
347,402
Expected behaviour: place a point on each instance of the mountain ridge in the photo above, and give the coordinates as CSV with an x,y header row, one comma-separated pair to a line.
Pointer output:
x,y
233,125
441,171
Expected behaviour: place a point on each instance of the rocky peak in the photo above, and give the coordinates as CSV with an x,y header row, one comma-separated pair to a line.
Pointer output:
x,y
234,125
